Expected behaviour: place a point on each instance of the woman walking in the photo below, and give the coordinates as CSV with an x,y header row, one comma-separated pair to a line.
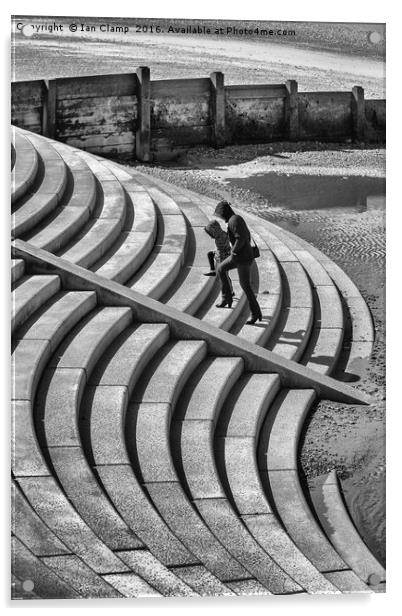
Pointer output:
x,y
241,258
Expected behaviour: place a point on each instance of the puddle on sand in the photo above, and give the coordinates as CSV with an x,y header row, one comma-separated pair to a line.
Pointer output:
x,y
345,194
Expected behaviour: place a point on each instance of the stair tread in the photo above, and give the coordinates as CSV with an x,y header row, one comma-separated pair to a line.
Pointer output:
x,y
135,508
30,528
84,492
49,502
164,580
31,293
86,582
233,535
91,338
186,523
270,534
342,533
93,241
53,321
26,566
17,269
35,206
131,585
25,165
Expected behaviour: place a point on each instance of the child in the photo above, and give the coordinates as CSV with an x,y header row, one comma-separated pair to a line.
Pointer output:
x,y
223,249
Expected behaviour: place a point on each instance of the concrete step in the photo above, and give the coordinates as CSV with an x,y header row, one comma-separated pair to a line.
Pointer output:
x,y
199,410
225,525
191,288
277,460
106,405
148,429
198,413
360,345
167,257
26,566
237,439
25,164
134,506
31,293
287,248
53,507
86,582
131,585
168,582
74,209
293,328
17,269
342,533
106,221
296,324
29,528
136,241
47,191
325,344
105,401
35,342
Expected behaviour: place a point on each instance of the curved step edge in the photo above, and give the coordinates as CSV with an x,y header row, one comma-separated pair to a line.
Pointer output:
x,y
343,534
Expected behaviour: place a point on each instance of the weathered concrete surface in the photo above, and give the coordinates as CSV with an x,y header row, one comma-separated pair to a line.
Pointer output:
x,y
165,581
136,509
185,326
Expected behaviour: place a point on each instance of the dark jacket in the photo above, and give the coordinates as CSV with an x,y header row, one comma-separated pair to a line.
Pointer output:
x,y
220,236
238,232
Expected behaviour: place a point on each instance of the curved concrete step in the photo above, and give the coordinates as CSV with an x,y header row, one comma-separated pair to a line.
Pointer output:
x,y
24,164
106,221
17,270
322,350
73,210
30,529
199,410
167,256
295,321
292,332
190,289
324,345
148,429
236,440
57,410
136,240
278,465
35,341
342,533
360,343
46,192
31,293
55,510
26,566
106,408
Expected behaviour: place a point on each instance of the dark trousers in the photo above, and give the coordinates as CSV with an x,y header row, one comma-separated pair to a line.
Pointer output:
x,y
244,270
211,259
